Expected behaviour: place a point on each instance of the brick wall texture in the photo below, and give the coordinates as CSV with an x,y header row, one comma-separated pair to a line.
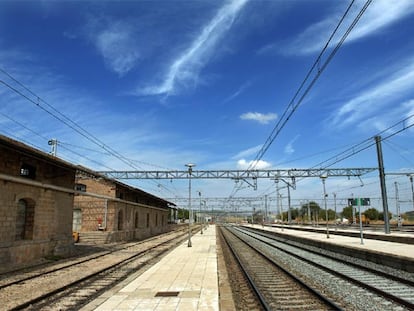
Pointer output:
x,y
44,228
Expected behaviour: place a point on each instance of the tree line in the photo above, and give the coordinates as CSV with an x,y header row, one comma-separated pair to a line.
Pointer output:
x,y
317,213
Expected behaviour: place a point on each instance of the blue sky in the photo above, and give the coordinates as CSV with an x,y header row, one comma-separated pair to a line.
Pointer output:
x,y
165,83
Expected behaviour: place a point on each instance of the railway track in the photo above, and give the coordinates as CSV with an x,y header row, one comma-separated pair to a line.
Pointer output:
x,y
71,285
275,287
244,295
388,291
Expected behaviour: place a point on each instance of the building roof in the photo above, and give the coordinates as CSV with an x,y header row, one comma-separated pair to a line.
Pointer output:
x,y
35,153
93,174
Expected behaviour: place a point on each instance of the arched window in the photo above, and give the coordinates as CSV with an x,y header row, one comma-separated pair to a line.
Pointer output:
x,y
120,220
24,220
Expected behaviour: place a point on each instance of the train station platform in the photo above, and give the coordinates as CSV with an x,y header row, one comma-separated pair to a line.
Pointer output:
x,y
395,250
185,279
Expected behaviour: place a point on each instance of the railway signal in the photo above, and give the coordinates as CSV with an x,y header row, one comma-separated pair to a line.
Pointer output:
x,y
359,202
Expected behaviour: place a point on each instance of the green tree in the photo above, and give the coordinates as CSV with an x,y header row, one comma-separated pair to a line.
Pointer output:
x,y
381,215
347,212
294,213
258,217
182,213
315,210
372,213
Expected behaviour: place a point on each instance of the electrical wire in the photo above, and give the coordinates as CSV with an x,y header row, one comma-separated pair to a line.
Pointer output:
x,y
49,109
393,148
292,106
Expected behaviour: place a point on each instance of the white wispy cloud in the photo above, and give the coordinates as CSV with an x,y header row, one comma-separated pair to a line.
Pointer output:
x,y
185,69
289,147
247,152
373,100
379,15
259,117
115,41
237,93
258,165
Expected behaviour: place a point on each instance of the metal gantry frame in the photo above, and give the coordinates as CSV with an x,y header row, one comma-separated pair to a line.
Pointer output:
x,y
249,176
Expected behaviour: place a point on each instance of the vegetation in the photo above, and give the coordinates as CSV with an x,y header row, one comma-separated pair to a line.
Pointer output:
x,y
182,213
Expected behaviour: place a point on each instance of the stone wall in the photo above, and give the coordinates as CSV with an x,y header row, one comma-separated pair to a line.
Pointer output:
x,y
35,217
124,219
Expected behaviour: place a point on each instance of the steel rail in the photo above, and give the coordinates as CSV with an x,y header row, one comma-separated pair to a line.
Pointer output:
x,y
319,295
107,269
379,291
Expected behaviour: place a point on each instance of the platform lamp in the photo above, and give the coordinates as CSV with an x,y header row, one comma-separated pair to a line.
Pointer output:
x,y
190,211
199,213
323,178
412,188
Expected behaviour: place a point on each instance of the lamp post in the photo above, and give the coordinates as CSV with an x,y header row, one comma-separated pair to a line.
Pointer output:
x,y
323,177
190,211
201,222
412,189
336,223
204,215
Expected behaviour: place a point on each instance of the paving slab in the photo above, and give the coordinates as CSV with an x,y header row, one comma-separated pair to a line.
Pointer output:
x,y
185,279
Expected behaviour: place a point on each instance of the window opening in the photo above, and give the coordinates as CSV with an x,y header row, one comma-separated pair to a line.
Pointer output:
x,y
24,220
136,219
80,187
120,220
28,171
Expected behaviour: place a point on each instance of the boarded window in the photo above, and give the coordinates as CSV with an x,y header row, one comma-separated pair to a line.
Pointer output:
x,y
120,195
120,220
24,220
136,220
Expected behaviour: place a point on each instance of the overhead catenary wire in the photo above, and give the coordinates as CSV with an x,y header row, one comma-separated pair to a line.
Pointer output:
x,y
33,98
65,120
293,104
367,143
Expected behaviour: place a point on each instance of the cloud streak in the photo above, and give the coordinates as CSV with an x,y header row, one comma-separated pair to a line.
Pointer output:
x,y
289,147
247,152
241,89
372,101
185,69
313,38
259,117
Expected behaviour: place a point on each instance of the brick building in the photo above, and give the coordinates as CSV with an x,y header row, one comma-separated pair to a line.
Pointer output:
x,y
36,202
112,211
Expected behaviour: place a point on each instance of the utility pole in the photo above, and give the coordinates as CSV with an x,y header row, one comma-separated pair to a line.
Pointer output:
x,y
336,223
397,204
412,189
53,143
289,211
383,186
278,199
